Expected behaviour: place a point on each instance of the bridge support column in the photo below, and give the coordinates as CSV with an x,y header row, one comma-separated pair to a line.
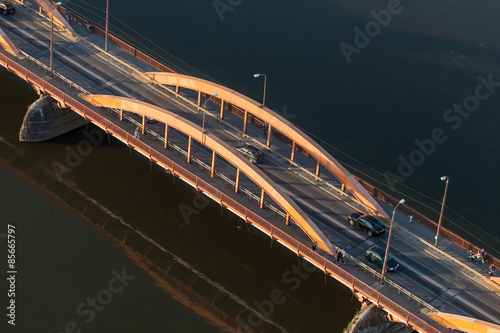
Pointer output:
x,y
190,150
122,115
214,161
143,130
238,179
262,199
222,106
343,187
269,135
287,219
318,169
245,122
177,89
294,147
165,144
200,96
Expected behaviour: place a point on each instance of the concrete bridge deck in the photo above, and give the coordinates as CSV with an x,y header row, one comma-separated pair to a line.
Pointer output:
x,y
441,277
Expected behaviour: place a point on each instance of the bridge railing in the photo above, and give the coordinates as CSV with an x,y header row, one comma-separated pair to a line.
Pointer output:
x,y
224,200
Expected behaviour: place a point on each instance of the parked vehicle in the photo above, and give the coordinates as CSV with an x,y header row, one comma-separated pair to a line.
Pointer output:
x,y
368,223
7,7
376,255
253,154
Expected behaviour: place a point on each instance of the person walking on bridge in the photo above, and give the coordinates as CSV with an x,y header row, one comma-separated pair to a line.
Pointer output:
x,y
136,133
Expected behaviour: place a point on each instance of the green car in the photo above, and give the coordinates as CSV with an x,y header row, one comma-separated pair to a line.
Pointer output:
x,y
376,255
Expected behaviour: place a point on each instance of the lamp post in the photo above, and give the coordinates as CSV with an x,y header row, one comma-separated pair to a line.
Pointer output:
x,y
265,81
442,208
107,26
204,107
389,241
51,42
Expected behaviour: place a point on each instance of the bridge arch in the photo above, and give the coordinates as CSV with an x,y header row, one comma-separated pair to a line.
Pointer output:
x,y
275,121
221,148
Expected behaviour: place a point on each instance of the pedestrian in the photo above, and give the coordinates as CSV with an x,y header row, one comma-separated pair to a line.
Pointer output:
x,y
315,246
410,218
483,253
68,15
339,255
343,256
136,133
479,257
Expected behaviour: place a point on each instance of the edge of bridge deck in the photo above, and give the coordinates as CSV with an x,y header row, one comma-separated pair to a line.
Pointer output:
x,y
276,121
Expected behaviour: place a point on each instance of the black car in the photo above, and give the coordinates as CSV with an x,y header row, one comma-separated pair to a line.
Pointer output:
x,y
250,152
368,223
7,8
376,255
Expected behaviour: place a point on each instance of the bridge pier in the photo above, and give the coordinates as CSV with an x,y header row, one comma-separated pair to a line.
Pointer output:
x,y
269,135
294,148
237,183
245,122
262,199
143,129
44,120
372,319
190,150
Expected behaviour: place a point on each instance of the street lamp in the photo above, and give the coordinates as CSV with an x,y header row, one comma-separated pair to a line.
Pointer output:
x,y
265,79
442,208
389,241
204,107
107,26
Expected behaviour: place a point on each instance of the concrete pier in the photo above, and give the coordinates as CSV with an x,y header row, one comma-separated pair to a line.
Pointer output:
x,y
45,120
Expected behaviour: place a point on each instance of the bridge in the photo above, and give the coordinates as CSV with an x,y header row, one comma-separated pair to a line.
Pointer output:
x,y
299,196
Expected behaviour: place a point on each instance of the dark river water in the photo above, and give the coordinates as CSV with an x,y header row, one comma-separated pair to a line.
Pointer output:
x,y
411,98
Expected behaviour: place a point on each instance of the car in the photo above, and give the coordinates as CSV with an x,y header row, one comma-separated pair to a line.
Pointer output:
x,y
7,7
253,154
376,255
368,223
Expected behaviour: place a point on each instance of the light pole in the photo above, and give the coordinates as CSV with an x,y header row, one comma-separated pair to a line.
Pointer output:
x,y
51,42
107,25
265,81
389,241
204,107
442,208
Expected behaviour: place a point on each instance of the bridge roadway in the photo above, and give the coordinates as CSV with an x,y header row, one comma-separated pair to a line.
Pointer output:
x,y
433,278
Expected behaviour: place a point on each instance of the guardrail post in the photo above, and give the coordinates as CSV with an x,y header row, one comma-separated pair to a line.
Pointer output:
x,y
245,122
222,105
143,130
165,144
292,158
269,135
237,185
190,150
262,199
214,161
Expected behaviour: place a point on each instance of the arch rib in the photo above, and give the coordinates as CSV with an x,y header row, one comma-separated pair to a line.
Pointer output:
x,y
276,122
465,324
222,149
